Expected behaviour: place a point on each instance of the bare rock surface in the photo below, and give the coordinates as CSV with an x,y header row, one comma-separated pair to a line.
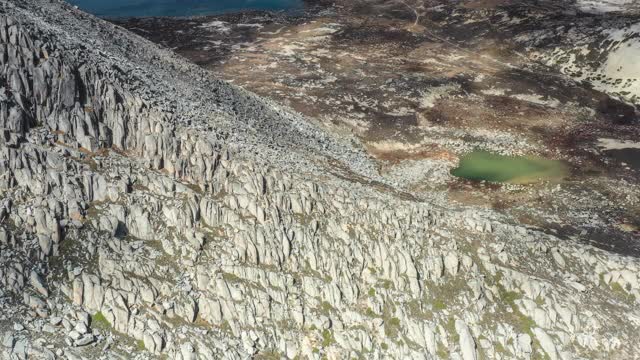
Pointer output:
x,y
149,210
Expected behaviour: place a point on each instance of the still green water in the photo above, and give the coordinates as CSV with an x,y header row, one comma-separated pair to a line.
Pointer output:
x,y
483,165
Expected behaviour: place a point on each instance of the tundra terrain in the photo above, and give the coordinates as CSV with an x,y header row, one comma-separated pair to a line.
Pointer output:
x,y
278,185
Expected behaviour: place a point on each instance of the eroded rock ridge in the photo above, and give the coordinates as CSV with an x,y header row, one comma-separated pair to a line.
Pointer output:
x,y
149,210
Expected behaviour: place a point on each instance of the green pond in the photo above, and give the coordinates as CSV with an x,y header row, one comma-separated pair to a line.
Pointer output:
x,y
483,165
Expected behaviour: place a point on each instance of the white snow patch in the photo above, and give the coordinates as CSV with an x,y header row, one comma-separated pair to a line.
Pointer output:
x,y
603,6
429,96
257,26
623,61
494,92
219,26
537,99
290,49
323,30
616,144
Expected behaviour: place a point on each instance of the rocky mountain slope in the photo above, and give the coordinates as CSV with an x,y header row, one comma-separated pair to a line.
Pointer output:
x,y
149,210
590,41
422,83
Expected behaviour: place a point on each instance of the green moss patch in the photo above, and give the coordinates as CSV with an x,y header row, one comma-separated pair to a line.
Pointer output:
x,y
98,321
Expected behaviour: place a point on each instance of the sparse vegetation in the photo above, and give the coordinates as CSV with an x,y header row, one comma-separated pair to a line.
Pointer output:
x,y
268,355
442,352
225,326
326,307
621,292
450,327
230,277
526,324
98,321
140,345
509,297
392,327
370,313
439,305
327,338
387,284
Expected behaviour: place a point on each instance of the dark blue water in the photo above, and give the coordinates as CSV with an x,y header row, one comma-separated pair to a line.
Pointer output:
x,y
131,8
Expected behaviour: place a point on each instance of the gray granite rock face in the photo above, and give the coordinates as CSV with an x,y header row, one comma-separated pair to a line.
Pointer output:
x,y
148,208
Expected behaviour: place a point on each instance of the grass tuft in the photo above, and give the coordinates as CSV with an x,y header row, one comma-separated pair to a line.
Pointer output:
x,y
327,338
99,321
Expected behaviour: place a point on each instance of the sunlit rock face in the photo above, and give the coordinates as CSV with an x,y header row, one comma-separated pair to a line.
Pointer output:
x,y
150,210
